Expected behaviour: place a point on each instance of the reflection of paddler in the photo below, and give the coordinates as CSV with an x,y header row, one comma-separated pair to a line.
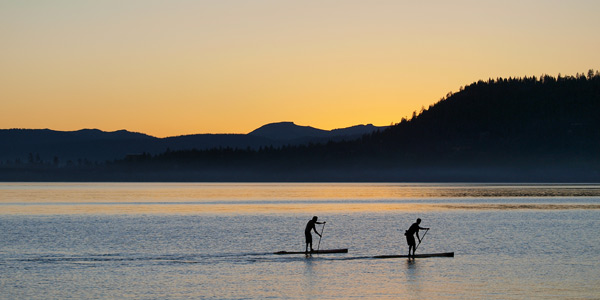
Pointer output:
x,y
410,239
310,226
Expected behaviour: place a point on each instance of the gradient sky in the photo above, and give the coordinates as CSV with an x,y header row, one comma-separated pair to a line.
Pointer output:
x,y
178,67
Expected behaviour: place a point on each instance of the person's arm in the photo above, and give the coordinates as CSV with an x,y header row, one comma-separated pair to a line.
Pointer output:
x,y
315,230
418,232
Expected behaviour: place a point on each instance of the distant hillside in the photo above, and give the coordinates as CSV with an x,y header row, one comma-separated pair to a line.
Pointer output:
x,y
288,131
25,145
514,121
92,145
516,129
511,130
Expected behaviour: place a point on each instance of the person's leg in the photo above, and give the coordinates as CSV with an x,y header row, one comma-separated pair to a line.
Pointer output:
x,y
308,238
411,244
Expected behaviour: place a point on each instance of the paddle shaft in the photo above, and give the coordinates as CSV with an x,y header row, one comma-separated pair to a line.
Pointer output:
x,y
320,236
426,231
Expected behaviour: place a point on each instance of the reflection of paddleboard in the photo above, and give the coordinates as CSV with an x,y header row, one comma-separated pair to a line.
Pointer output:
x,y
315,252
447,254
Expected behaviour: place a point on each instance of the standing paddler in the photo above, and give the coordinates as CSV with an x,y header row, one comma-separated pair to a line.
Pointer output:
x,y
410,239
309,227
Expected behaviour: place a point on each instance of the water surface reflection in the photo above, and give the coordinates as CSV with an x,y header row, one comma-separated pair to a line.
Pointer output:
x,y
251,198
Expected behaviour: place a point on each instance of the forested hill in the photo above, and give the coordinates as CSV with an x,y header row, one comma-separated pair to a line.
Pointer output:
x,y
529,128
511,130
515,121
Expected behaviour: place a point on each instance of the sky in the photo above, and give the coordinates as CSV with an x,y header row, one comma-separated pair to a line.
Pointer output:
x,y
168,68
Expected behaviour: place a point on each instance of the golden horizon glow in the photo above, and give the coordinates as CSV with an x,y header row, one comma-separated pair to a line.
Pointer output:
x,y
269,198
187,67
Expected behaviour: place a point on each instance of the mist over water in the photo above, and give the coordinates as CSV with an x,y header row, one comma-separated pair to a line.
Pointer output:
x,y
215,241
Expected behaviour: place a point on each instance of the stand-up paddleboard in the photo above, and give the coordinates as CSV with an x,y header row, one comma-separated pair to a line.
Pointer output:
x,y
446,254
314,252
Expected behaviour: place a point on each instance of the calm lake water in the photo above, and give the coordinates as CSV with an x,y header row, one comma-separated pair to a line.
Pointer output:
x,y
215,241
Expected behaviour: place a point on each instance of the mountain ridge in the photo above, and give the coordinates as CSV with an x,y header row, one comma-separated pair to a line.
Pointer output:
x,y
501,130
98,146
289,131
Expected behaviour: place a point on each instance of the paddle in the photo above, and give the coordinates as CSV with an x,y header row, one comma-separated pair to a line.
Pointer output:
x,y
320,236
426,231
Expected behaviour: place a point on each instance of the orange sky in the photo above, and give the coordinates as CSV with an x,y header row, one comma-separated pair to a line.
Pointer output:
x,y
178,67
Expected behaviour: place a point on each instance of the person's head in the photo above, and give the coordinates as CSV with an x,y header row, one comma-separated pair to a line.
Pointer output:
x,y
418,220
315,218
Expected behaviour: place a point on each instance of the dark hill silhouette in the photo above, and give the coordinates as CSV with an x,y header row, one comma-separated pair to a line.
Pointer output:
x,y
507,120
357,130
96,146
517,129
86,144
290,132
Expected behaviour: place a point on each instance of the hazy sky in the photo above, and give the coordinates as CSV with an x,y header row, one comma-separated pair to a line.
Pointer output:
x,y
176,67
